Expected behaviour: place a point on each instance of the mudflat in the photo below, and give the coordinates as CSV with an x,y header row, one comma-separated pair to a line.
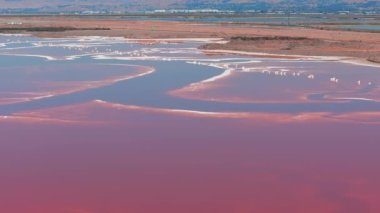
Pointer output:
x,y
289,40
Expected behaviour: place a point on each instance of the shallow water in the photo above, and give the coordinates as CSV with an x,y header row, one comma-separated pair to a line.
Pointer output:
x,y
362,27
96,124
311,85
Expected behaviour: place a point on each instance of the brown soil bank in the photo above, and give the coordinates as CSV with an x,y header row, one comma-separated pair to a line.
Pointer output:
x,y
256,38
375,59
301,46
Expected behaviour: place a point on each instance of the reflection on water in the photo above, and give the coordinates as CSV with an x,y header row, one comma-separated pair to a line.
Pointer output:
x,y
97,125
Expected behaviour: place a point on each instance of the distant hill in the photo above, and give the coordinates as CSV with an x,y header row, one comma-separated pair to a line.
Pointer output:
x,y
235,5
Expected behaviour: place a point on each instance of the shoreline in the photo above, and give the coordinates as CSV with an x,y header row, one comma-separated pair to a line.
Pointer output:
x,y
343,59
267,40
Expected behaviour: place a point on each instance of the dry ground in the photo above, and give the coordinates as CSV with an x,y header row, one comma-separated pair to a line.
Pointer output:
x,y
256,38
